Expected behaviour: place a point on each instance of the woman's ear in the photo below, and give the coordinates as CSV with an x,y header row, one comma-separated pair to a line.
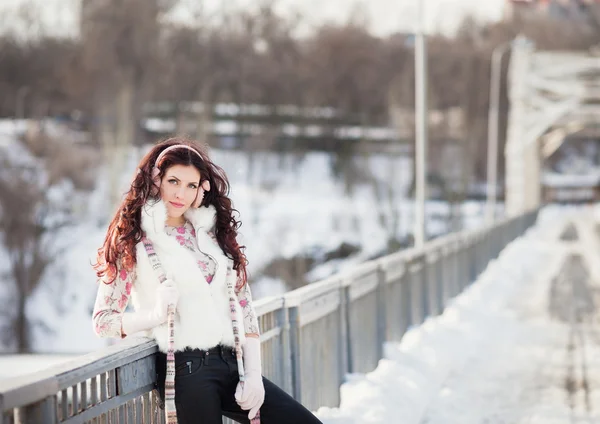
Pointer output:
x,y
206,185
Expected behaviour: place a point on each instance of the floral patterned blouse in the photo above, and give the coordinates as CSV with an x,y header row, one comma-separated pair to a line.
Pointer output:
x,y
112,299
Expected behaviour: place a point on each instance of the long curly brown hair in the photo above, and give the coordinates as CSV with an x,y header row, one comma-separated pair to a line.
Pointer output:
x,y
124,230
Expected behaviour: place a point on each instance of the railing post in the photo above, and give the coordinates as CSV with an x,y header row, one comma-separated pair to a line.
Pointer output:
x,y
347,302
416,290
464,259
474,257
496,242
343,335
438,281
458,270
282,320
440,278
445,275
461,266
483,255
430,261
467,260
492,243
405,297
424,277
454,267
295,358
466,269
381,310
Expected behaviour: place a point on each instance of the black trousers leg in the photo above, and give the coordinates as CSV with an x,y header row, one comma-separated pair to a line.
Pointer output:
x,y
198,404
278,408
198,386
205,391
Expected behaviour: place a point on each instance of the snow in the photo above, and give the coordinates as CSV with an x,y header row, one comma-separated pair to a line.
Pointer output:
x,y
17,365
554,179
494,355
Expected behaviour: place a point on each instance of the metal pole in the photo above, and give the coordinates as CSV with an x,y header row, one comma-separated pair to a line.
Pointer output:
x,y
421,127
493,125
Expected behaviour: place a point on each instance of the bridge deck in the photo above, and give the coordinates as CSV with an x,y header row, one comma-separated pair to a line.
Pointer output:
x,y
541,364
521,345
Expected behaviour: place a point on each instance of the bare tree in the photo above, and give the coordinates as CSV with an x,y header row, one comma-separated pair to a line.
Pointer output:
x,y
32,65
25,234
120,42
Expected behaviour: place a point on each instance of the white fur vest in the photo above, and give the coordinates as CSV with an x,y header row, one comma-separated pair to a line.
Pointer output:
x,y
203,318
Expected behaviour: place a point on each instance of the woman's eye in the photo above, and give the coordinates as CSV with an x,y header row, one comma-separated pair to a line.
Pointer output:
x,y
194,186
173,181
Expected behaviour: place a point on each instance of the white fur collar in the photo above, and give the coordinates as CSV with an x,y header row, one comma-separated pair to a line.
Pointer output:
x,y
199,303
154,217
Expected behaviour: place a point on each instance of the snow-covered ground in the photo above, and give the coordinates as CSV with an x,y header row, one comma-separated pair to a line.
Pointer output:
x,y
518,346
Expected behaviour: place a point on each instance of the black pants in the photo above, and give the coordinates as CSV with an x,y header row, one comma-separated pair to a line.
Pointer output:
x,y
205,384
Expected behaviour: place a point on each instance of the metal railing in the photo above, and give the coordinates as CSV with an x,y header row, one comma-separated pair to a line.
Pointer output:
x,y
311,337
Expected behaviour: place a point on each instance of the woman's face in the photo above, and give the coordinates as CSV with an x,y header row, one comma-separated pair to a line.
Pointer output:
x,y
178,189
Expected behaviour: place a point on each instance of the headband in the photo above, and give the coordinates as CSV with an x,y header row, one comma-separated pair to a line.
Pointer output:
x,y
175,146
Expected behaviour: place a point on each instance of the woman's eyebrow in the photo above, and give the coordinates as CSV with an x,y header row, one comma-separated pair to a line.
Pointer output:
x,y
175,178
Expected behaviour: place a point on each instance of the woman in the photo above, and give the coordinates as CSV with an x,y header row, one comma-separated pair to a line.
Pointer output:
x,y
179,202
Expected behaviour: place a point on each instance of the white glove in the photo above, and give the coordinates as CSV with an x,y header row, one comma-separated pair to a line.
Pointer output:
x,y
251,394
165,295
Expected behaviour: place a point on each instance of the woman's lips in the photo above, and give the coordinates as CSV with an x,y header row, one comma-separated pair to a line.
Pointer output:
x,y
176,205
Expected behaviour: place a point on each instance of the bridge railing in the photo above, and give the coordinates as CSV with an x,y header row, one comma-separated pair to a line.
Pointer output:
x,y
311,337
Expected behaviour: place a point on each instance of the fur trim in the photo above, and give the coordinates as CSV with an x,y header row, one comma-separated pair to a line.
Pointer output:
x,y
203,309
154,217
203,217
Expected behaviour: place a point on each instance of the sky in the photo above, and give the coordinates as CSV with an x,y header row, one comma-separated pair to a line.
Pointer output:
x,y
385,16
